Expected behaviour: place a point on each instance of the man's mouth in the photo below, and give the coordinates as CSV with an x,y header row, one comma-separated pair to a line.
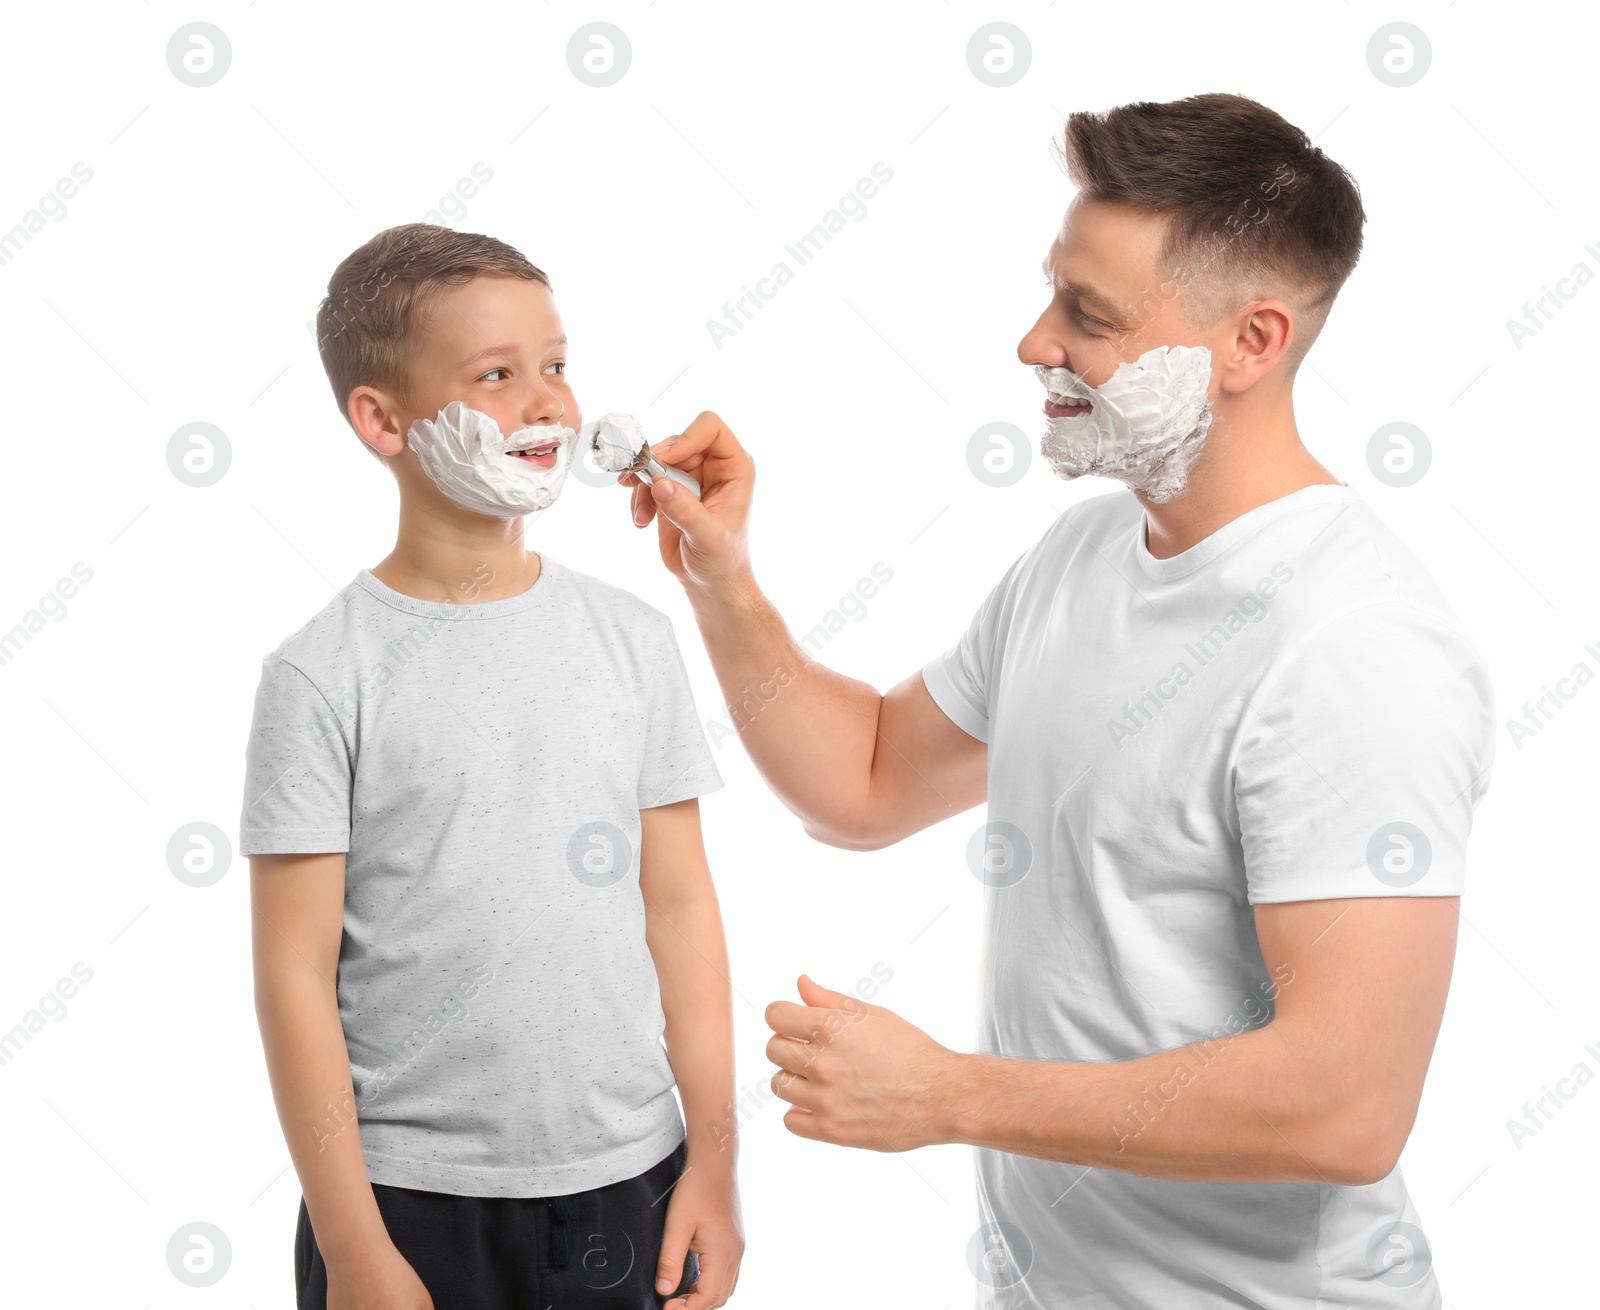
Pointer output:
x,y
1058,406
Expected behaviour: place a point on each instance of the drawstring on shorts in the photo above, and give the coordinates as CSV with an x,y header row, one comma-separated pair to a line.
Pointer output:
x,y
562,1211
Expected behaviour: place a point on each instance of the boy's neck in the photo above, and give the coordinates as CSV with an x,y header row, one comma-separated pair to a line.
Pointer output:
x,y
462,561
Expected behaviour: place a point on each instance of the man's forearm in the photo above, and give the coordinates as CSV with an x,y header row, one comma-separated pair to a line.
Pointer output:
x,y
1241,1108
810,731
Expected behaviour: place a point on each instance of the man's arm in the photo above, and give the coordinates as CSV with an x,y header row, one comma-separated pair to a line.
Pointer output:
x,y
860,769
297,904
683,928
1326,1092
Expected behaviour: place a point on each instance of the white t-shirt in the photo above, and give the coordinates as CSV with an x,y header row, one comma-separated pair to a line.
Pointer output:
x,y
1286,711
483,766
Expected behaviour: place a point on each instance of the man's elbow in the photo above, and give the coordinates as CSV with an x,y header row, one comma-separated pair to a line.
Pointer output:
x,y
1359,1149
848,836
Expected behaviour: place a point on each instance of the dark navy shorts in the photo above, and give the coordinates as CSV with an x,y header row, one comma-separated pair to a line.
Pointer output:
x,y
594,1250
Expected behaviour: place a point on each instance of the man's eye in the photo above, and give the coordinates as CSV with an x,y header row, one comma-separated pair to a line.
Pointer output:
x,y
494,370
1088,321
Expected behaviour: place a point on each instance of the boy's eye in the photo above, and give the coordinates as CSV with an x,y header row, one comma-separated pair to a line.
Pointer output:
x,y
560,366
493,370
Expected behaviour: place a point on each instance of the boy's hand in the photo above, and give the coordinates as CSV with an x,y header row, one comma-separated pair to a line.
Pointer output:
x,y
702,1215
379,1279
703,542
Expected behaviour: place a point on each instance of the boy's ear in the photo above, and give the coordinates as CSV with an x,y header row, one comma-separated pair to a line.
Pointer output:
x,y
372,414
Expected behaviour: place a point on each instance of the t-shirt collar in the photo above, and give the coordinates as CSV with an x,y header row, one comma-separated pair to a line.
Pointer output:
x,y
1233,532
549,576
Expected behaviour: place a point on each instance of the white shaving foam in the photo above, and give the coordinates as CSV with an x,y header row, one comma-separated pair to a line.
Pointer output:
x,y
615,439
1146,424
465,455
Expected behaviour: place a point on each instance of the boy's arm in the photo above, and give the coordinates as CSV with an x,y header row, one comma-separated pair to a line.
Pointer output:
x,y
683,928
297,904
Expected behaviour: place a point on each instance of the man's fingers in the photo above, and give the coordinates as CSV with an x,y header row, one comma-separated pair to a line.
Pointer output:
x,y
679,506
802,1123
707,436
642,506
815,994
788,1019
789,1054
796,1090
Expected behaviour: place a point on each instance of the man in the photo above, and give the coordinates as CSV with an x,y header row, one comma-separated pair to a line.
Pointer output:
x,y
1230,735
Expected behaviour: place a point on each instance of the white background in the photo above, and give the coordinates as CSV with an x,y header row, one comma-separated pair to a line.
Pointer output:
x,y
179,287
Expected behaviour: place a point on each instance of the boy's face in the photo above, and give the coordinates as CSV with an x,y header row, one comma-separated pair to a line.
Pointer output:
x,y
1110,300
496,344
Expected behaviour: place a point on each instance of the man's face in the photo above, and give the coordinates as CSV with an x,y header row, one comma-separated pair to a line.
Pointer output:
x,y
1111,300
496,344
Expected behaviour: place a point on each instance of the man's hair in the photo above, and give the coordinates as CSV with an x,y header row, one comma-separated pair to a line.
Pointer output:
x,y
1253,207
382,294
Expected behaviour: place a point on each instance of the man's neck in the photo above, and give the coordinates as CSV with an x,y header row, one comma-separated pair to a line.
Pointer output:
x,y
1245,462
459,560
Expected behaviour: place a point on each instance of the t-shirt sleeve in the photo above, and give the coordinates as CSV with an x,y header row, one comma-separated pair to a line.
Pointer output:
x,y
677,758
297,769
1361,759
960,679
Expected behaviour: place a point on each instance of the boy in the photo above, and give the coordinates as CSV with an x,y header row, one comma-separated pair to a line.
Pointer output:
x,y
463,976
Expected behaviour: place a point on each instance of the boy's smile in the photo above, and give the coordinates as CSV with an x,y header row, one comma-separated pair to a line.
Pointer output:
x,y
542,456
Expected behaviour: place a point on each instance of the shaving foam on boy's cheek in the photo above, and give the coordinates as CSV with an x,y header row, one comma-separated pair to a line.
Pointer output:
x,y
1146,422
464,454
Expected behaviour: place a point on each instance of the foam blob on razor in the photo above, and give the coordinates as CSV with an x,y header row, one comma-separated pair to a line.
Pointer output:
x,y
618,445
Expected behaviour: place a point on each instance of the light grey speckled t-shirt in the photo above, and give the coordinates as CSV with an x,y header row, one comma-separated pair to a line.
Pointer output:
x,y
483,766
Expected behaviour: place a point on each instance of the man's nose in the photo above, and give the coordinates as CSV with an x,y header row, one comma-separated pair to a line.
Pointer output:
x,y
1040,346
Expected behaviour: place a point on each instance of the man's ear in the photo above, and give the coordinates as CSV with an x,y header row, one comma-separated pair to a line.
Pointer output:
x,y
1263,333
373,415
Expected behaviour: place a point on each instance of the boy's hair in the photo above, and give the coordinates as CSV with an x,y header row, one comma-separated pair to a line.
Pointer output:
x,y
1253,207
381,295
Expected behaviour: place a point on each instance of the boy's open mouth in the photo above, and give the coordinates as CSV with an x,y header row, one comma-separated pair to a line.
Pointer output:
x,y
1059,406
542,454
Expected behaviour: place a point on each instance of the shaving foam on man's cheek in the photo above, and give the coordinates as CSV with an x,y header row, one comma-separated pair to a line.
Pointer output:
x,y
464,454
1145,425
